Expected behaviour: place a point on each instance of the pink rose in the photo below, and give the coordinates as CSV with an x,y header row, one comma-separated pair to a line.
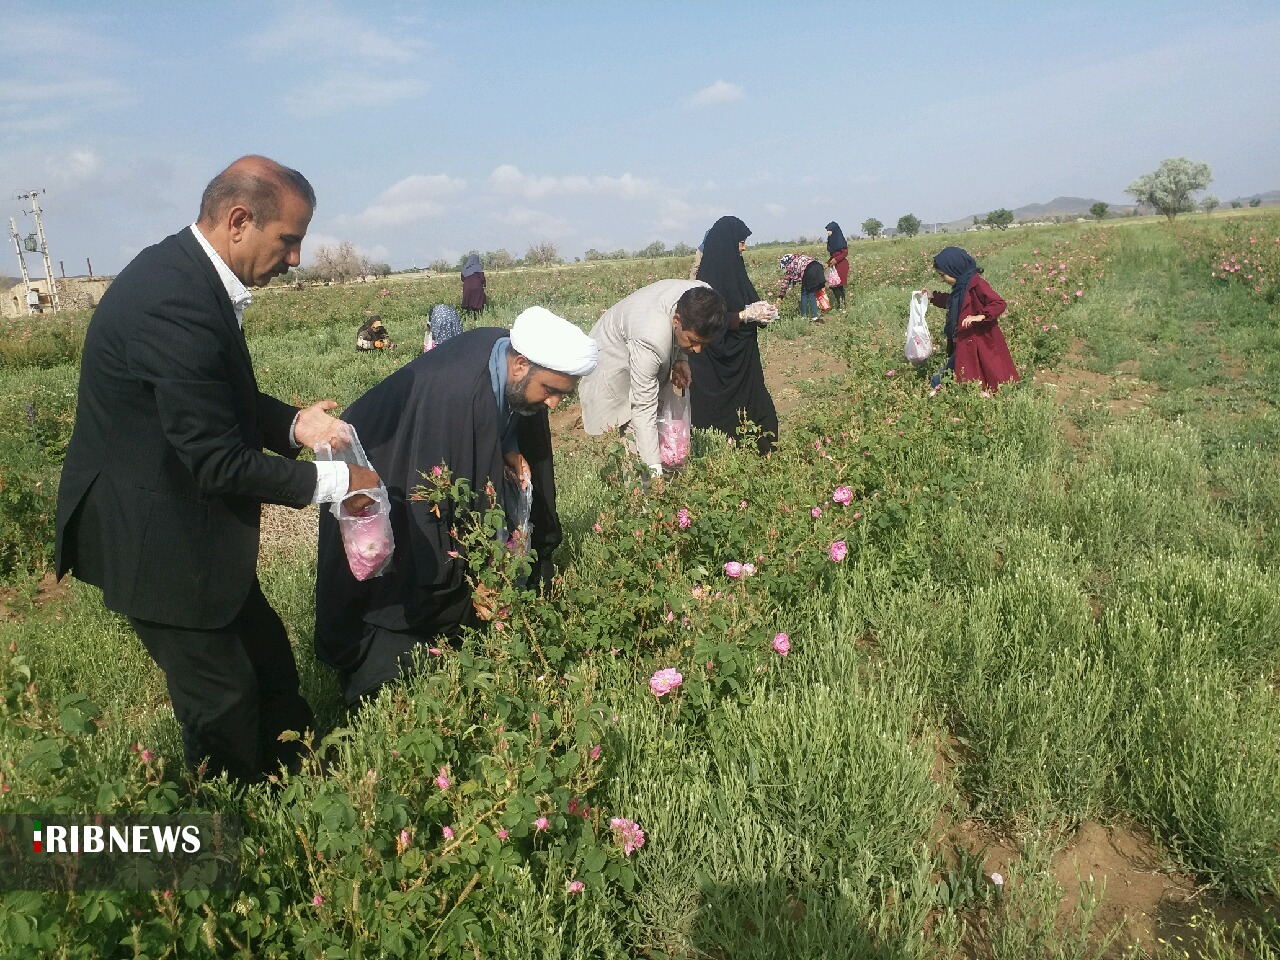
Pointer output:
x,y
502,833
781,644
628,833
542,823
838,551
816,512
448,832
682,518
749,569
317,900
843,495
733,569
442,780
575,886
664,681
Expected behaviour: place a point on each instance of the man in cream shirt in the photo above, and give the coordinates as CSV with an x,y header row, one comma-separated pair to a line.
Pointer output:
x,y
642,340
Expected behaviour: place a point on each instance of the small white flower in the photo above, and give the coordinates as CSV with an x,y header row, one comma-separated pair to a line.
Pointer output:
x,y
997,879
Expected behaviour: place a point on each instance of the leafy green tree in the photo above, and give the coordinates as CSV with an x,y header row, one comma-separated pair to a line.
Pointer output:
x,y
1168,189
440,266
498,259
909,225
380,269
1236,204
872,227
655,249
1000,218
1099,210
1209,203
593,254
683,249
1255,202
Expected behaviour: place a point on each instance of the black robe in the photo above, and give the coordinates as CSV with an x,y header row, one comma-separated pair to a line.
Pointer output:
x,y
728,376
437,409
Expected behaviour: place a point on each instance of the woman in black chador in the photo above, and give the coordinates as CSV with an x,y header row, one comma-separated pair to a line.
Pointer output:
x,y
727,375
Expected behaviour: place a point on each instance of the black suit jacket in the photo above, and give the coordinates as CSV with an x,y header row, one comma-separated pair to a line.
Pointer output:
x,y
165,473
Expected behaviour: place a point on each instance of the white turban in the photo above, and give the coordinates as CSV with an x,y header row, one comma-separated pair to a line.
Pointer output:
x,y
553,342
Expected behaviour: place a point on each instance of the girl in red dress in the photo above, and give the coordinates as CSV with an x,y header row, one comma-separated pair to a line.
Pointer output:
x,y
976,349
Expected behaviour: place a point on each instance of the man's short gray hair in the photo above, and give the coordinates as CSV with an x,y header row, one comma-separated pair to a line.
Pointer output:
x,y
260,191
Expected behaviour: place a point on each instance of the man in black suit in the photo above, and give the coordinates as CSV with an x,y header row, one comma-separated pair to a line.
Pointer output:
x,y
165,474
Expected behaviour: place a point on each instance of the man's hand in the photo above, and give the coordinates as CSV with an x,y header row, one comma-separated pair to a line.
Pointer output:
x,y
681,375
359,478
517,468
761,311
970,321
314,426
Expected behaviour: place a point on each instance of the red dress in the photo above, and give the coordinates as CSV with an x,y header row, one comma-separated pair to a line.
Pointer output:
x,y
980,350
840,260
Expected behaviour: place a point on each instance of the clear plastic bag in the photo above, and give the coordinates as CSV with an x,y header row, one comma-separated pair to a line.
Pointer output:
x,y
833,277
366,535
919,341
517,501
674,427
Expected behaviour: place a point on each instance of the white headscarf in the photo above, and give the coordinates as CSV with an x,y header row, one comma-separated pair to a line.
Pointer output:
x,y
553,342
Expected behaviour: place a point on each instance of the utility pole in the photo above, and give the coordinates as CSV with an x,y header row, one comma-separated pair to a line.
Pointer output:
x,y
22,262
33,196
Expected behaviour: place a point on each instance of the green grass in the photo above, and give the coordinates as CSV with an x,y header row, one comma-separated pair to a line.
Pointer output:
x,y
1059,607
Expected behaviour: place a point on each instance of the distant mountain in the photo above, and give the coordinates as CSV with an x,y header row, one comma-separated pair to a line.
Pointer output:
x,y
1031,212
1270,198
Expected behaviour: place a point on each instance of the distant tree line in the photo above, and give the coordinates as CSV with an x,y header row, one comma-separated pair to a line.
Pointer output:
x,y
338,264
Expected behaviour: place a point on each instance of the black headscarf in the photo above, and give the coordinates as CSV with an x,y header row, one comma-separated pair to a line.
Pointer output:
x,y
955,262
722,266
836,241
472,266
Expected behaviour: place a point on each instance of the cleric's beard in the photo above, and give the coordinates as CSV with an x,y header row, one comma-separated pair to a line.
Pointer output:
x,y
517,397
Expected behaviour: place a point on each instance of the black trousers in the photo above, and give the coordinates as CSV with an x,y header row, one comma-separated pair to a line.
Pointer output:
x,y
234,690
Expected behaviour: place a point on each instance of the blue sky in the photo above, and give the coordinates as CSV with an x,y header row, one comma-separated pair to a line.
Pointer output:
x,y
430,129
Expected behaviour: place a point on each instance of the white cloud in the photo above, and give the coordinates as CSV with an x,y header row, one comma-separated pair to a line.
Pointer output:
x,y
321,36
348,91
340,62
537,224
510,179
417,197
58,76
718,92
88,89
776,209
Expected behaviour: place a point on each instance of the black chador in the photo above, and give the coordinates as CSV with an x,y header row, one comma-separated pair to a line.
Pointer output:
x,y
439,409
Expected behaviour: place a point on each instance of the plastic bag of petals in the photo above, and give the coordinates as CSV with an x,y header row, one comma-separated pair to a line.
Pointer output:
x,y
366,534
674,427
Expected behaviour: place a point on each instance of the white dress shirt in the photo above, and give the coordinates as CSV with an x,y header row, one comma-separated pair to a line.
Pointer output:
x,y
332,476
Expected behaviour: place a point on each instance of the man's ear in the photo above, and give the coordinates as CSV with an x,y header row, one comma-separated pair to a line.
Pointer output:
x,y
517,367
238,220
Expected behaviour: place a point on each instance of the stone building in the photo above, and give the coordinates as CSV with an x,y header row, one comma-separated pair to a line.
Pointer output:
x,y
74,293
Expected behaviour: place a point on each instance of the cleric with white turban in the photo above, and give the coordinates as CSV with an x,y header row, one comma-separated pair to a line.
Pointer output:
x,y
553,342
477,406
